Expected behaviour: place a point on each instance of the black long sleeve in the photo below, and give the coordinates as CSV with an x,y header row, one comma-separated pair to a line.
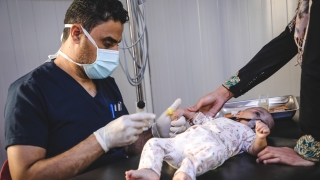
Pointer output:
x,y
266,62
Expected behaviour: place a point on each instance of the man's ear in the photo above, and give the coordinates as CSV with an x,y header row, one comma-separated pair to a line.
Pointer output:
x,y
75,32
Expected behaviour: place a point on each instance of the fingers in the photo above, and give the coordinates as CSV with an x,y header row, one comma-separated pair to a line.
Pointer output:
x,y
197,106
177,114
282,155
178,126
207,109
140,124
132,139
266,156
260,125
270,161
128,174
181,121
265,151
176,104
213,110
141,116
271,155
178,129
137,131
173,107
172,135
262,128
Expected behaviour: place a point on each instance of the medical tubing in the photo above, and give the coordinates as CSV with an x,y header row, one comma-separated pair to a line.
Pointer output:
x,y
144,27
142,42
153,129
177,130
189,120
137,79
141,73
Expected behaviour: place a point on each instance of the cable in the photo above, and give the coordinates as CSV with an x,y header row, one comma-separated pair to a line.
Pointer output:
x,y
138,15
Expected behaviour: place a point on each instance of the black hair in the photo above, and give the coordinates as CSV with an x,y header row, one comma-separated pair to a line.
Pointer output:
x,y
90,13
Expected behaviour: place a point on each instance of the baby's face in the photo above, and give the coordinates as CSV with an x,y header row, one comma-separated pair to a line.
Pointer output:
x,y
255,113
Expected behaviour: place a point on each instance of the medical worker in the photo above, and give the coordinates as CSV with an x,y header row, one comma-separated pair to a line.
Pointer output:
x,y
302,36
60,118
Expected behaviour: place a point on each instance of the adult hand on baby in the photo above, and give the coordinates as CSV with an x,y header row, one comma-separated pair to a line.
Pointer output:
x,y
211,103
283,155
163,123
122,131
262,130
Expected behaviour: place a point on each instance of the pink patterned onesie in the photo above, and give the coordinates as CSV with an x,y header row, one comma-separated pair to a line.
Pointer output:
x,y
202,147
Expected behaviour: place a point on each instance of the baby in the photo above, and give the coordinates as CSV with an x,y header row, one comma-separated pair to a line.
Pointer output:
x,y
205,145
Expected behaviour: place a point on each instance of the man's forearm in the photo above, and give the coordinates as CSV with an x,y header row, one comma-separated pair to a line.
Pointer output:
x,y
258,145
63,166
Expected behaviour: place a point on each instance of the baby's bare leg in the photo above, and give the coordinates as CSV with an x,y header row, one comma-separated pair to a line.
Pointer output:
x,y
154,152
142,174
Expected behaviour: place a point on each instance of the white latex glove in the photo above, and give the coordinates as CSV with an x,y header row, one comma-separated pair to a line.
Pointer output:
x,y
178,126
122,131
163,123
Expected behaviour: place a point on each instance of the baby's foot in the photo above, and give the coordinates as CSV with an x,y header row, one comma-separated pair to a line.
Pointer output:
x,y
142,174
181,176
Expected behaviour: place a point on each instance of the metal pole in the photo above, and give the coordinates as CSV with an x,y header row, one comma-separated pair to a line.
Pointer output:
x,y
136,49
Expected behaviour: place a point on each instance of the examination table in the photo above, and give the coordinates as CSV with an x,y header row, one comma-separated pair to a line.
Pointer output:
x,y
240,167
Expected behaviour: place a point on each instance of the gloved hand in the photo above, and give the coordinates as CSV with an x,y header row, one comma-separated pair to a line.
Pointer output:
x,y
178,126
163,123
122,131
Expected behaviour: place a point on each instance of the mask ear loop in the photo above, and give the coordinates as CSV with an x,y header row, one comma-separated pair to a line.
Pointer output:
x,y
61,37
89,37
68,58
87,34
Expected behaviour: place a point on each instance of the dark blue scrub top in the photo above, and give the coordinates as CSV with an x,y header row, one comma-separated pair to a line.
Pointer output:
x,y
49,109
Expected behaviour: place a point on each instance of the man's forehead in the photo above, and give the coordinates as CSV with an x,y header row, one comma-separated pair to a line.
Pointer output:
x,y
110,30
109,26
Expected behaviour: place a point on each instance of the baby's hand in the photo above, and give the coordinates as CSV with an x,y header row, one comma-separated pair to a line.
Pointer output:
x,y
262,130
182,112
177,114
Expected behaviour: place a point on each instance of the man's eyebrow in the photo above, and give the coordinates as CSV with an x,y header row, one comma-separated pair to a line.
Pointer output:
x,y
109,38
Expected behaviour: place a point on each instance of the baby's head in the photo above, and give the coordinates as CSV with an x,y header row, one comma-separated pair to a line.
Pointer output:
x,y
255,113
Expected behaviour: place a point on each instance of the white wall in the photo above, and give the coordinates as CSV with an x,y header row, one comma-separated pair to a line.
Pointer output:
x,y
195,45
30,30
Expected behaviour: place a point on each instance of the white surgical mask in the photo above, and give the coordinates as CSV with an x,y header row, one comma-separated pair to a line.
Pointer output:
x,y
105,63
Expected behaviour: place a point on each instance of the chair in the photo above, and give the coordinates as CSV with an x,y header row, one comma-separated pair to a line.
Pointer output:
x,y
5,172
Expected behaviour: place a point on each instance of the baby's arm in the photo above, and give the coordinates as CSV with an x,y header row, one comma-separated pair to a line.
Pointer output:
x,y
262,131
182,112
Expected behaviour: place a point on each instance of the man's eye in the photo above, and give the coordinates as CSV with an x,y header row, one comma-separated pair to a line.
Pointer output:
x,y
257,114
108,45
